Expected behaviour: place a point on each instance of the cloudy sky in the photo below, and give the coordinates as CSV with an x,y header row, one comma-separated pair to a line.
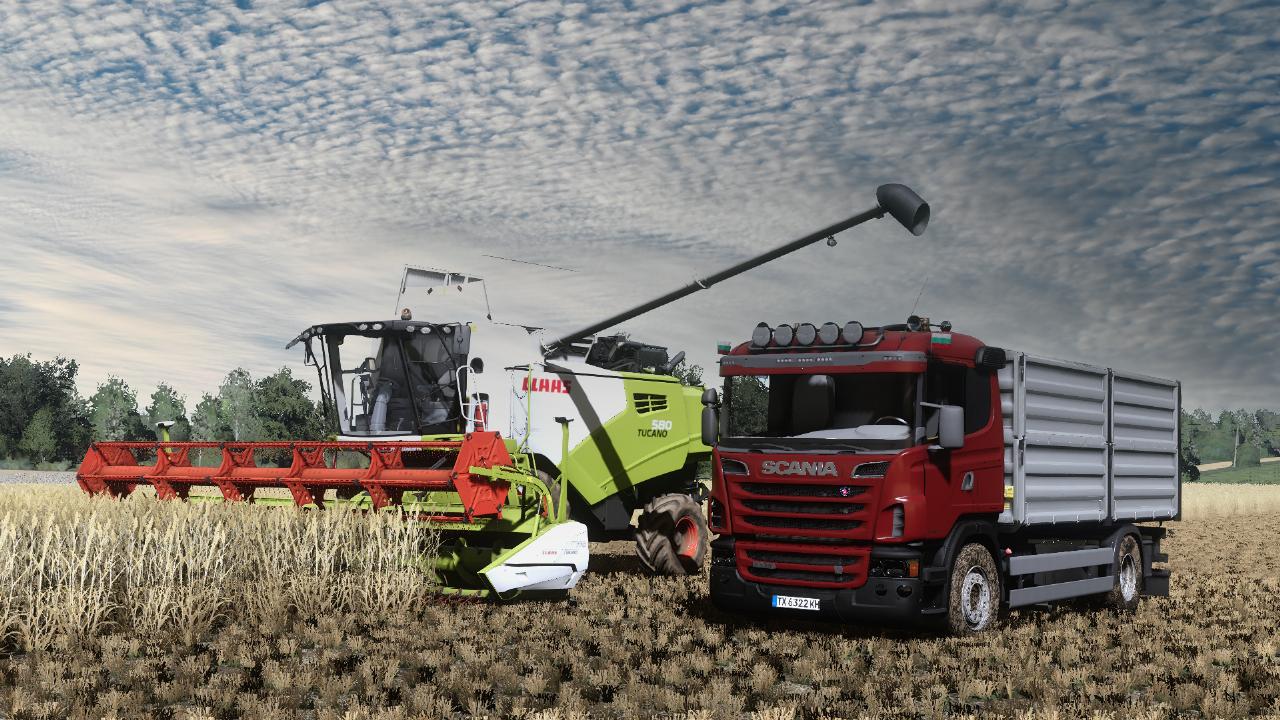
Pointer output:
x,y
183,188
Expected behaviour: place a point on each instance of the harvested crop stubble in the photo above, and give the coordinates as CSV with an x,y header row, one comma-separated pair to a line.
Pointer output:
x,y
629,645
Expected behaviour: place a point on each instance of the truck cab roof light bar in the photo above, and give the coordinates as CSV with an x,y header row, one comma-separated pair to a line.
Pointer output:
x,y
899,201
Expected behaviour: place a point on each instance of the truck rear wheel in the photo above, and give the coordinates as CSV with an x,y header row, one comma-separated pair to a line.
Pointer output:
x,y
975,595
671,536
1124,596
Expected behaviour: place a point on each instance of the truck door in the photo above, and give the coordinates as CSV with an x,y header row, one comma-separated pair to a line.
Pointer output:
x,y
970,479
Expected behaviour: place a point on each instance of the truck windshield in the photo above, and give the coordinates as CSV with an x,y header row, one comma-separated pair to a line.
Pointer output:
x,y
873,411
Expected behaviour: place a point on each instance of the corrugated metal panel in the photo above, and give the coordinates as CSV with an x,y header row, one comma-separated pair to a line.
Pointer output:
x,y
1084,443
1144,462
1064,415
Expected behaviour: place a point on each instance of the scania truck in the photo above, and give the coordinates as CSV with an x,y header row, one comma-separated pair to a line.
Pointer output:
x,y
910,474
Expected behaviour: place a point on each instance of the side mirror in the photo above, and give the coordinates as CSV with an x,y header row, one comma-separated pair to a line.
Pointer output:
x,y
951,426
369,365
710,417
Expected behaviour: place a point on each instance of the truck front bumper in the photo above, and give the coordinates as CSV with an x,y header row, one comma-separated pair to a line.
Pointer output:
x,y
888,600
880,600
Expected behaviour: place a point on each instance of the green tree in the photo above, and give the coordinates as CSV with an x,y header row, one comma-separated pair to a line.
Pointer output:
x,y
1248,456
207,425
114,412
237,406
688,373
26,386
748,405
39,443
167,405
283,409
206,421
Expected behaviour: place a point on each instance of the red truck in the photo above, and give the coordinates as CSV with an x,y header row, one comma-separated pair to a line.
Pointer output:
x,y
910,474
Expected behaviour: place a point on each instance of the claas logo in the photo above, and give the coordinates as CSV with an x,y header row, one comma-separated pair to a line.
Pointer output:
x,y
546,384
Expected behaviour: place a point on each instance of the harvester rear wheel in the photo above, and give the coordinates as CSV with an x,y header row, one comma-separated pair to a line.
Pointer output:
x,y
671,537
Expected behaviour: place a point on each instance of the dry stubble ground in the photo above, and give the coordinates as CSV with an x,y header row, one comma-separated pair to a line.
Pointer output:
x,y
628,645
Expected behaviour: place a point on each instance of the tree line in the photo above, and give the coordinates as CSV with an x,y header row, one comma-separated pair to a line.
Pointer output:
x,y
1242,437
44,420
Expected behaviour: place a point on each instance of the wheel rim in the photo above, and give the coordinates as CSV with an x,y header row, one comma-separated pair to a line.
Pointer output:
x,y
975,598
1128,578
687,538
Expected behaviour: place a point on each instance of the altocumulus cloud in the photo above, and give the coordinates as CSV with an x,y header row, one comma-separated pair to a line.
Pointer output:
x,y
182,186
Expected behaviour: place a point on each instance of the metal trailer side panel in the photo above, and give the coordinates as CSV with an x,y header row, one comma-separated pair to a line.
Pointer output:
x,y
1059,449
1144,464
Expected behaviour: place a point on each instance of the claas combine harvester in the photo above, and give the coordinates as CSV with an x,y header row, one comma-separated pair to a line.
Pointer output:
x,y
519,450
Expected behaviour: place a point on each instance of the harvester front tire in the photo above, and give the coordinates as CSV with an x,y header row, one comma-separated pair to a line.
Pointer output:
x,y
671,536
975,593
1128,589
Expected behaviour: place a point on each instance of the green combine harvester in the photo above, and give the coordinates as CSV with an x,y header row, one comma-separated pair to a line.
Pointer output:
x,y
521,451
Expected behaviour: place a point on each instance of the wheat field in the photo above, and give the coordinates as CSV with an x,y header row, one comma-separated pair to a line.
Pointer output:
x,y
149,609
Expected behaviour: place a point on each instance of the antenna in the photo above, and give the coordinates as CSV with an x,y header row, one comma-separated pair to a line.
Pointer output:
x,y
923,285
529,262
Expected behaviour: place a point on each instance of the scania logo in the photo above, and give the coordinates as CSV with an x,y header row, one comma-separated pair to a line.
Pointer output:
x,y
798,467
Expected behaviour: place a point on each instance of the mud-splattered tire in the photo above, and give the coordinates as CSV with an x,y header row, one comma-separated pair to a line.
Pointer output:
x,y
671,536
975,594
1128,572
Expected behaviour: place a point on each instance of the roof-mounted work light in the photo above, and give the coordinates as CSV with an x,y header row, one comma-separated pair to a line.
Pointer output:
x,y
852,332
829,333
806,333
761,335
784,334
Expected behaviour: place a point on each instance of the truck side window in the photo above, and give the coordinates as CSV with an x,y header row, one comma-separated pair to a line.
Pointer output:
x,y
948,384
977,406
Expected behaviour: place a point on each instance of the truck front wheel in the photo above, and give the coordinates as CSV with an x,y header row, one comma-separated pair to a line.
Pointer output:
x,y
671,536
975,591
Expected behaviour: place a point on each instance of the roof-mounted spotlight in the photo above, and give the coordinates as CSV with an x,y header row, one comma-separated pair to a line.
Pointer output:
x,y
806,333
784,334
852,332
761,335
829,333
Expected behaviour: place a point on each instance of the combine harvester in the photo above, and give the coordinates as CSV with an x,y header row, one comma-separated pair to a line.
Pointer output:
x,y
520,451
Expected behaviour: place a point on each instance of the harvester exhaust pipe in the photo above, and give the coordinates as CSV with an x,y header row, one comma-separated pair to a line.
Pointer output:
x,y
900,201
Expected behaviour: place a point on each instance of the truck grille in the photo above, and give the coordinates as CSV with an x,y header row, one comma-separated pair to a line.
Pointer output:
x,y
804,490
807,509
824,566
795,507
802,523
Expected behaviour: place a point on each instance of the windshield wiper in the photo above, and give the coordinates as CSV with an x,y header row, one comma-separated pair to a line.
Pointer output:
x,y
747,443
845,447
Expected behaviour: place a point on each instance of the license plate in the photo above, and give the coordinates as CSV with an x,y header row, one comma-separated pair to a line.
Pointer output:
x,y
795,603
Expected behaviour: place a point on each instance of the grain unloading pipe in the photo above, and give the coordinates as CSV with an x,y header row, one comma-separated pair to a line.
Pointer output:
x,y
900,201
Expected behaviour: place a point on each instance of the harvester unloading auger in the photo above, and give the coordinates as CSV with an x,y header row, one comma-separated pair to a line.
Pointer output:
x,y
520,451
